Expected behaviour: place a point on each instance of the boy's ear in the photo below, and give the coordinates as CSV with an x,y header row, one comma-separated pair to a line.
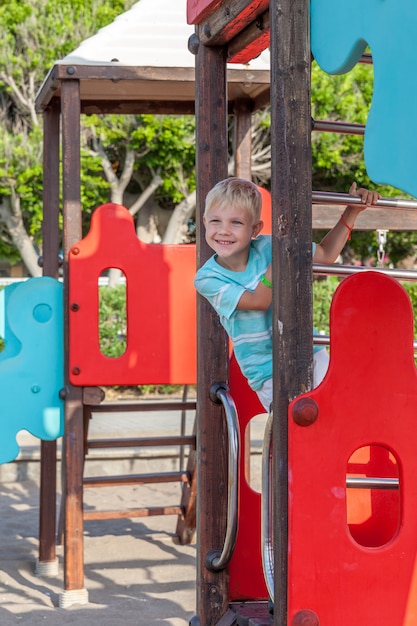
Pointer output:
x,y
257,228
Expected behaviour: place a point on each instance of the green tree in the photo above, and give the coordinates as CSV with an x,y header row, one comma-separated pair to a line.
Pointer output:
x,y
35,33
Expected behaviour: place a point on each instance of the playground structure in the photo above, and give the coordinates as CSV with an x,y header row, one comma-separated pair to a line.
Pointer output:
x,y
299,589
239,590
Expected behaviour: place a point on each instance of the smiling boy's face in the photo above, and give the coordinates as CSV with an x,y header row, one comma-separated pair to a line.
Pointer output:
x,y
229,230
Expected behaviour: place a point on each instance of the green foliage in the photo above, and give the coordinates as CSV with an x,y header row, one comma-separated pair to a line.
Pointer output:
x,y
163,144
169,146
112,320
112,330
35,34
323,290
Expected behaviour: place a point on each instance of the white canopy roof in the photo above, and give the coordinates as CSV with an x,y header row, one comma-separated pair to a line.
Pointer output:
x,y
153,33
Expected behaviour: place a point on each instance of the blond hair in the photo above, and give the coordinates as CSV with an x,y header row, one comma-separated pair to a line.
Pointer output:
x,y
237,192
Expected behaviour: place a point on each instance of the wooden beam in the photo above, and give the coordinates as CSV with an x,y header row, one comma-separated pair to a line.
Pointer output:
x,y
326,216
291,187
212,357
73,441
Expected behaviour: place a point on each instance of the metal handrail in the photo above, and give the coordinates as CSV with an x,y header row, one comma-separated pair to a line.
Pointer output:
x,y
216,560
346,270
266,510
330,197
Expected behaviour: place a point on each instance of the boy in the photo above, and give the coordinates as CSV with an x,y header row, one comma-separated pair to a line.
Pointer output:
x,y
236,280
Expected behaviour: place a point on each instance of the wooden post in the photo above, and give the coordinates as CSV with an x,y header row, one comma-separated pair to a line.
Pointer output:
x,y
292,262
73,445
243,139
212,359
48,562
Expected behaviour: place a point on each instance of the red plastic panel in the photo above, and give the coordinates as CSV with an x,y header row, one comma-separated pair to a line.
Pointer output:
x,y
266,211
160,305
245,568
341,574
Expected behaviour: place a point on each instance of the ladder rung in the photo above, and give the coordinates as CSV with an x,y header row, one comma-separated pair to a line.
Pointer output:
x,y
138,407
143,512
144,442
137,479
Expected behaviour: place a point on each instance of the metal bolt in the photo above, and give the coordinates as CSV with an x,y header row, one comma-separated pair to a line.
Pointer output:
x,y
76,370
193,43
75,250
75,306
305,411
305,618
35,389
207,31
70,70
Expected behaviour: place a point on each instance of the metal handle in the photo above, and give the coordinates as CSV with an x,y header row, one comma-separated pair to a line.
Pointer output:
x,y
216,560
266,510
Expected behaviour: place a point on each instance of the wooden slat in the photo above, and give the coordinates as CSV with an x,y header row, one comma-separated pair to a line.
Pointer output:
x,y
133,407
136,479
142,442
126,514
326,216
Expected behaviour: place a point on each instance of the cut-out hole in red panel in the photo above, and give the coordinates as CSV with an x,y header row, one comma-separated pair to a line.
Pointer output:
x,y
373,514
254,435
112,327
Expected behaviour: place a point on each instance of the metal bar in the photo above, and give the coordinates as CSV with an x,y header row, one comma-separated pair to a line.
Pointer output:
x,y
347,270
366,59
343,128
324,340
329,197
372,483
214,560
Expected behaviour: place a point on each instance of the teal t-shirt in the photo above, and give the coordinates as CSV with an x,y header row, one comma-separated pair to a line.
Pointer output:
x,y
250,331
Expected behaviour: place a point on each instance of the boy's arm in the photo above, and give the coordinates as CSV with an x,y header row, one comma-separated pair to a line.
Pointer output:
x,y
261,298
332,244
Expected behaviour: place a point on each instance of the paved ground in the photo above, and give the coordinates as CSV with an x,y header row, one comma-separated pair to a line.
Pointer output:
x,y
135,574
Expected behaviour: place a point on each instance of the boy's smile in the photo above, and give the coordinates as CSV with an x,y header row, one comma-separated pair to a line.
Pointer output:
x,y
229,231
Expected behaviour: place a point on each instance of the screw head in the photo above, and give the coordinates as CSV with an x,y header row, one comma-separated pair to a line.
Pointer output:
x,y
305,618
305,411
